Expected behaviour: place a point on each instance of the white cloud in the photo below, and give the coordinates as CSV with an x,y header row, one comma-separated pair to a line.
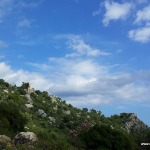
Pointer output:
x,y
4,69
89,101
81,67
143,15
115,11
2,44
83,82
141,35
19,76
82,49
132,92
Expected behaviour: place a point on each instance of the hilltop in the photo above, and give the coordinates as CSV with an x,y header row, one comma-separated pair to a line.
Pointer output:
x,y
33,119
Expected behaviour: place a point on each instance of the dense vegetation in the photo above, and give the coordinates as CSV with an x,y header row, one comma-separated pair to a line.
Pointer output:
x,y
103,137
60,126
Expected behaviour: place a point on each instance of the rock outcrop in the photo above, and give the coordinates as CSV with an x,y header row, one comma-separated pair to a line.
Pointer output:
x,y
28,138
132,123
29,98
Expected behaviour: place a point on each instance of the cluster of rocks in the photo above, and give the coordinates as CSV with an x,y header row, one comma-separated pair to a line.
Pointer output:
x,y
23,138
42,114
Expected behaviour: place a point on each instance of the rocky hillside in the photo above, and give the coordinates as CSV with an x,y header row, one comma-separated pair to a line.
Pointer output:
x,y
130,122
31,119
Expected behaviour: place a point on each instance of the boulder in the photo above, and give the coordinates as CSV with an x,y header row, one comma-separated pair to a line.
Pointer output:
x,y
41,113
6,91
29,105
51,120
28,138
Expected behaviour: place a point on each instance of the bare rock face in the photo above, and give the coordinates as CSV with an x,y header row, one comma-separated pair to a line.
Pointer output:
x,y
7,140
28,138
132,123
29,98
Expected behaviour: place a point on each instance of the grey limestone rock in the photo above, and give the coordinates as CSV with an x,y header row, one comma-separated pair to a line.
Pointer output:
x,y
28,138
29,105
41,113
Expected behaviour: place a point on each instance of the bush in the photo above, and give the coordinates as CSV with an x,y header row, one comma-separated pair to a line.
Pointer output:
x,y
16,98
51,141
103,137
12,119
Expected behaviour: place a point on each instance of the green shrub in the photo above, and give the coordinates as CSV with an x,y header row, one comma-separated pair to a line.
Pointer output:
x,y
102,137
12,119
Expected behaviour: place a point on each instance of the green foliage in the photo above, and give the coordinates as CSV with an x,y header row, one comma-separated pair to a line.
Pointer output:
x,y
103,137
56,135
85,109
12,119
142,137
24,85
16,99
3,145
3,84
22,91
51,140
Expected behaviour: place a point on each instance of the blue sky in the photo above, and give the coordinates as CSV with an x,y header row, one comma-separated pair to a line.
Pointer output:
x,y
93,54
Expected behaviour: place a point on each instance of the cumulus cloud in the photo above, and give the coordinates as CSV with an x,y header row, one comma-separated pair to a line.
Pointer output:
x,y
19,76
81,48
82,82
5,69
141,35
115,11
143,15
87,83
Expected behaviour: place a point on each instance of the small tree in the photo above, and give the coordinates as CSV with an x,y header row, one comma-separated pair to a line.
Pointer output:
x,y
12,117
